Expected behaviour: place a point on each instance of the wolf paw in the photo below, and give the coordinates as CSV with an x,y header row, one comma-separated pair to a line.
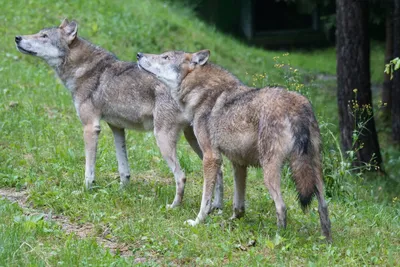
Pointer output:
x,y
217,211
191,222
89,184
172,206
236,216
216,206
233,217
124,183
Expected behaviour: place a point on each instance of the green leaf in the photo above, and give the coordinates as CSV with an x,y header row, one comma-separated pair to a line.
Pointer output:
x,y
18,218
95,27
387,69
270,244
35,218
397,65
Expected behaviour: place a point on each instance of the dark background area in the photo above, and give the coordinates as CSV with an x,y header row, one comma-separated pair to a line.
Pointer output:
x,y
282,23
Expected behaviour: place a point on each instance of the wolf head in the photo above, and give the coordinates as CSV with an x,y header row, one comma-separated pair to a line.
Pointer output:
x,y
50,44
173,66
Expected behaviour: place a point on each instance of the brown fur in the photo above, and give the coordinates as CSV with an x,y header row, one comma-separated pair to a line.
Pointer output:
x,y
252,127
126,97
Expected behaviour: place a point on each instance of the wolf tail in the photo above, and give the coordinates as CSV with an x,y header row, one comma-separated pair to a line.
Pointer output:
x,y
305,159
306,166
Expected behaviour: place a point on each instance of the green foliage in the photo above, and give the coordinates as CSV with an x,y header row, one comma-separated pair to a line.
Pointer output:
x,y
41,150
393,65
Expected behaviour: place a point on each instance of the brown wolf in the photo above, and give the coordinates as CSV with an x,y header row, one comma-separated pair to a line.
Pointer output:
x,y
103,87
252,127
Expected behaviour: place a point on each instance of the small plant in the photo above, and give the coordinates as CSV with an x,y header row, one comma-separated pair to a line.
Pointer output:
x,y
362,114
292,77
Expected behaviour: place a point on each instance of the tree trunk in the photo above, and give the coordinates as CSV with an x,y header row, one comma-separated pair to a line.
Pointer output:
x,y
353,80
387,82
396,79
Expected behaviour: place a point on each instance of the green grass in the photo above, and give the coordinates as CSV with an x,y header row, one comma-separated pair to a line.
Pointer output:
x,y
29,240
323,61
41,149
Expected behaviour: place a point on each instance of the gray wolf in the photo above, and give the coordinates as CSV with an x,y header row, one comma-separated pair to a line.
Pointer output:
x,y
103,87
250,126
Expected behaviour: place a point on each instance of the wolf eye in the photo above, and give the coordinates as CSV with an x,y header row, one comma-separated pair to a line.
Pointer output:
x,y
165,57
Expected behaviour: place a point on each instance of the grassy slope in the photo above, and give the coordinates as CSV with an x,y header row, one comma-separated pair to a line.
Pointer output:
x,y
41,148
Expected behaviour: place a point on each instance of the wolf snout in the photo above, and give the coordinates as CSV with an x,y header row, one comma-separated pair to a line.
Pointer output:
x,y
18,39
139,55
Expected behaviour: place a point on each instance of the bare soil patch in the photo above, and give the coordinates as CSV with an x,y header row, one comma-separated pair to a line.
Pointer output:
x,y
86,230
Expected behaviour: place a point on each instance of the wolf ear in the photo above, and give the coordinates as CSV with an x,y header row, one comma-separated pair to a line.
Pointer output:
x,y
64,23
70,28
200,57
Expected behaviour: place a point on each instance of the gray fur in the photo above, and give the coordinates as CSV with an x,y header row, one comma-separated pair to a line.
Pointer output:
x,y
251,127
126,97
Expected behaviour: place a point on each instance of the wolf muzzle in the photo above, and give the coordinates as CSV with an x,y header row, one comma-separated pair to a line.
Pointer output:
x,y
18,39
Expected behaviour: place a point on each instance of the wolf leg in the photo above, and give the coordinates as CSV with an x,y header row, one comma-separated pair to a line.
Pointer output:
x,y
323,212
191,139
240,174
219,186
211,165
319,193
166,141
122,158
218,202
322,206
272,179
91,134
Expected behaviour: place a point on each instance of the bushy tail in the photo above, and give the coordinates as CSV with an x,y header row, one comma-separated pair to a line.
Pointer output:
x,y
305,179
306,165
305,160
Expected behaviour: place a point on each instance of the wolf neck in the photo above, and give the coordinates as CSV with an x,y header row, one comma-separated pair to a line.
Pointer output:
x,y
207,85
81,59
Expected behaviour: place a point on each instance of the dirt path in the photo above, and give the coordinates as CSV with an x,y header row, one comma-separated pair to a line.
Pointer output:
x,y
106,240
